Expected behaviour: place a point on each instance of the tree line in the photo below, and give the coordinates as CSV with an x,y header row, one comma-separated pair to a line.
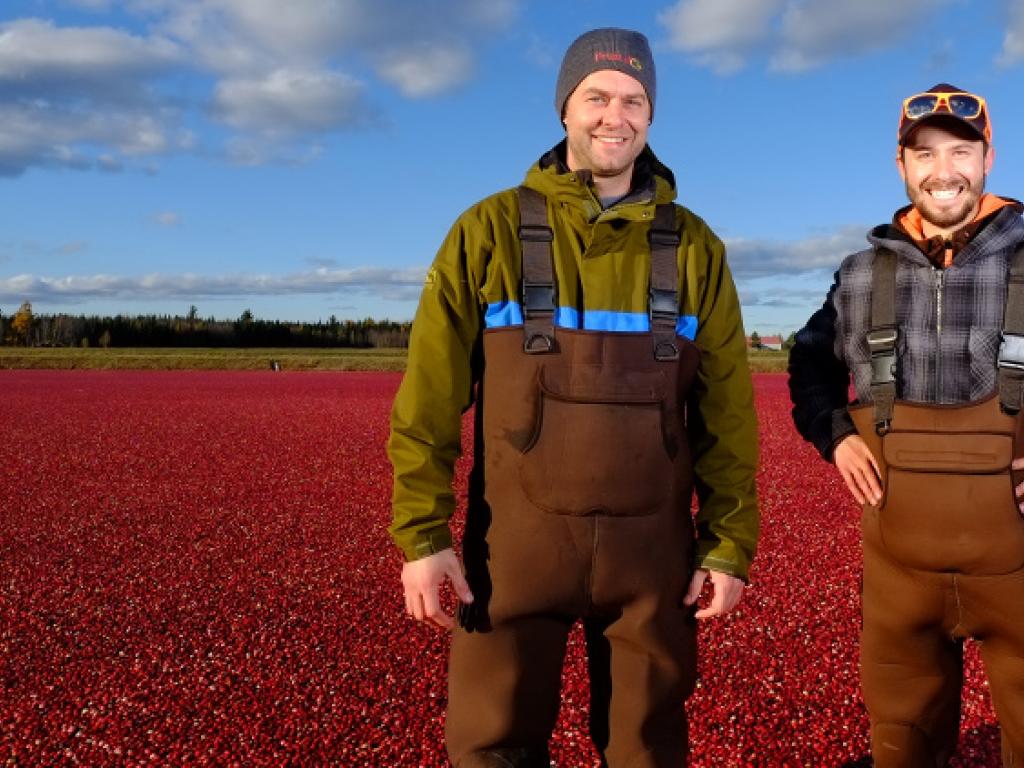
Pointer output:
x,y
26,328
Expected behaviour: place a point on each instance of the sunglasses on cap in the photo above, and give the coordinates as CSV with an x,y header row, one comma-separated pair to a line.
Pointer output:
x,y
963,105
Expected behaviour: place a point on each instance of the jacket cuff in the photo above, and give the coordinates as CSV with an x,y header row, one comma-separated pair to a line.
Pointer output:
x,y
709,557
842,427
427,543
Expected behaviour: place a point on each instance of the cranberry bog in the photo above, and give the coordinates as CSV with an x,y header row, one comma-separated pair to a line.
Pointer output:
x,y
194,570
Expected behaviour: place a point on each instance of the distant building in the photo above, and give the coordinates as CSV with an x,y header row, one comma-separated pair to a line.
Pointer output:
x,y
756,341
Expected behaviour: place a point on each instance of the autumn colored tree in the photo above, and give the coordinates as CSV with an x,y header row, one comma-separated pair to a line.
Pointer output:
x,y
21,323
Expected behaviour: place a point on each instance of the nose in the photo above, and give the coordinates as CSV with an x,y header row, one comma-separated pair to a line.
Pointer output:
x,y
943,165
612,114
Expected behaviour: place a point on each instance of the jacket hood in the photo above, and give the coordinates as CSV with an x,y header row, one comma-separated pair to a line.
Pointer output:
x,y
998,218
652,184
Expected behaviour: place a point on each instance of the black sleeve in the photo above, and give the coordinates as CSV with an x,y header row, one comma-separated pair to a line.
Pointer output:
x,y
819,382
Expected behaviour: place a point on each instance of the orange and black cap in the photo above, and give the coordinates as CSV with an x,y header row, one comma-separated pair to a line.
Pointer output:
x,y
945,108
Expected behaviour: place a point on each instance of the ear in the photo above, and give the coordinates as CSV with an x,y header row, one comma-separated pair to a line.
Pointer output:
x,y
990,157
899,163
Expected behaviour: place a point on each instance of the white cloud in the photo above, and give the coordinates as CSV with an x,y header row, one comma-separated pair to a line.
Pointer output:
x,y
721,33
814,32
90,97
32,51
798,34
62,88
51,134
387,283
425,70
235,37
287,102
783,297
1013,41
750,259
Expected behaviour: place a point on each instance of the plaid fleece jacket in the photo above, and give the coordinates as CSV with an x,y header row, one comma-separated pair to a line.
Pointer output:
x,y
949,323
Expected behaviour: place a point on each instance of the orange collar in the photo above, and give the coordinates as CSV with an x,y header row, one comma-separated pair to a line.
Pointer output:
x,y
941,250
913,224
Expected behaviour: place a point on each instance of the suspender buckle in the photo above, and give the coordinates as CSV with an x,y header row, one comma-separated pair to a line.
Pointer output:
x,y
882,343
664,304
883,368
1011,352
663,237
538,297
881,339
536,234
664,310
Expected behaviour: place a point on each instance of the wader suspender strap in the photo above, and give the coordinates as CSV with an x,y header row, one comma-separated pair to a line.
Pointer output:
x,y
882,337
664,299
538,285
1011,350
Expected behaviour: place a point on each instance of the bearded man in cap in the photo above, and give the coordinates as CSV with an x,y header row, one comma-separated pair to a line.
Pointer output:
x,y
929,321
595,325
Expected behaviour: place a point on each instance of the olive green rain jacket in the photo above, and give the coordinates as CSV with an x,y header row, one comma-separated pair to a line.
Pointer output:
x,y
602,267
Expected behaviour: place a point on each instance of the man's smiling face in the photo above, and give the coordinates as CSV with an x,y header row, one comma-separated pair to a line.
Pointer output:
x,y
945,174
606,120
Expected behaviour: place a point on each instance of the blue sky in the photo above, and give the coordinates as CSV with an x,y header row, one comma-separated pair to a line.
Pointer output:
x,y
304,159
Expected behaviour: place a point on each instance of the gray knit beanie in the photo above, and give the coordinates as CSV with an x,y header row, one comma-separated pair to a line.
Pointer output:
x,y
608,48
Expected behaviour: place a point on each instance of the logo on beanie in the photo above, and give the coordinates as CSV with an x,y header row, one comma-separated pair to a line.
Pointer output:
x,y
633,61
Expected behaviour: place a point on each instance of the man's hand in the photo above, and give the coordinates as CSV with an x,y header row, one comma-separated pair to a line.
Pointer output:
x,y
859,469
1019,464
727,592
422,580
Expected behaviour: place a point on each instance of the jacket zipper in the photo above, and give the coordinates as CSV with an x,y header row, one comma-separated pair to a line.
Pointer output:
x,y
940,275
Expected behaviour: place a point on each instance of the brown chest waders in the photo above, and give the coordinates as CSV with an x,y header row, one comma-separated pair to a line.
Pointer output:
x,y
579,510
943,550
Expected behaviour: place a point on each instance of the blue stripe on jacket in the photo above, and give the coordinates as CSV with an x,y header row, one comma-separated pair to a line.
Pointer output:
x,y
504,314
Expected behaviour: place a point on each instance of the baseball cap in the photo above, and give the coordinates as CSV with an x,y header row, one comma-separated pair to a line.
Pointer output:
x,y
947,104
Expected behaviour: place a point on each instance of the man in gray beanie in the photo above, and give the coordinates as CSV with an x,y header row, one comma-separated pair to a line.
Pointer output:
x,y
617,49
595,325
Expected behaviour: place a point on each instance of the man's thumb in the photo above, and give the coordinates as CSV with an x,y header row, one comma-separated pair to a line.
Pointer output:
x,y
461,586
696,585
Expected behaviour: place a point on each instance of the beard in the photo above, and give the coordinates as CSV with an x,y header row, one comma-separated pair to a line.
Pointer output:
x,y
943,217
598,166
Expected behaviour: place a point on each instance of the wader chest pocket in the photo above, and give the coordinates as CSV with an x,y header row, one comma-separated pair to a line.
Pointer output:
x,y
601,443
949,502
958,453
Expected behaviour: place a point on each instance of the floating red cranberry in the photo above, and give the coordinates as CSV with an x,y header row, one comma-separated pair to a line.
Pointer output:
x,y
194,570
